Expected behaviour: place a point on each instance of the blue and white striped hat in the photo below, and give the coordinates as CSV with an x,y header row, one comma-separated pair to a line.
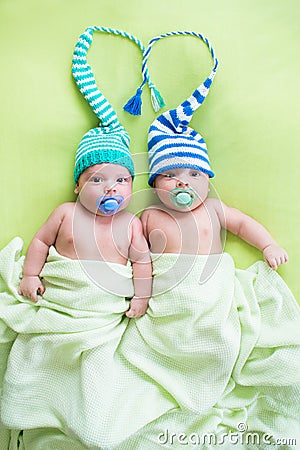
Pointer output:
x,y
171,142
109,142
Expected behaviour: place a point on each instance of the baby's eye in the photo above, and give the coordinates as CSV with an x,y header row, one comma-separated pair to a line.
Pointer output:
x,y
121,180
170,175
196,174
96,179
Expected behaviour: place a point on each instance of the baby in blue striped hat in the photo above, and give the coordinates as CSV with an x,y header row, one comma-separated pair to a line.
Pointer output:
x,y
187,221
96,226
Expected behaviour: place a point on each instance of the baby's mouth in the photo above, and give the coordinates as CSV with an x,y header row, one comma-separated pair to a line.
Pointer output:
x,y
109,204
183,198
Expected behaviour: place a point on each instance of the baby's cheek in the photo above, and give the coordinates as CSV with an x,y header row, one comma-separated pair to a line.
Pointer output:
x,y
164,196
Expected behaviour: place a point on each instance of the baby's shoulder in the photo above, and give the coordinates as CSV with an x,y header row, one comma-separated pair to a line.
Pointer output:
x,y
67,205
218,209
213,203
151,214
65,208
62,211
154,210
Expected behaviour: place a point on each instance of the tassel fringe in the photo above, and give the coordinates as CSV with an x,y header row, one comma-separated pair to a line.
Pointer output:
x,y
134,104
156,99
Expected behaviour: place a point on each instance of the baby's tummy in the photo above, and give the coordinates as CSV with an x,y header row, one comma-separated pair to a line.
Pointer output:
x,y
88,248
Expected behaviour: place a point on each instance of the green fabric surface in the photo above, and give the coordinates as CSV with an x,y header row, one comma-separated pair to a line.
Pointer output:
x,y
210,354
250,119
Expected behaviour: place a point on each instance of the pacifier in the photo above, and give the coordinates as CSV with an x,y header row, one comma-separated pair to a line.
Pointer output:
x,y
183,198
109,204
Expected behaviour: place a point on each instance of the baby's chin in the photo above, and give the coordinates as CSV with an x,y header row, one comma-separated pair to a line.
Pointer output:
x,y
183,209
100,213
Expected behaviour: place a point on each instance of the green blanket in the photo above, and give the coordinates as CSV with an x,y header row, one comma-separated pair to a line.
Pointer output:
x,y
218,349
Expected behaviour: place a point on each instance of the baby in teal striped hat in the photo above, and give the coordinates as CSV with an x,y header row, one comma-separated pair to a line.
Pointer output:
x,y
187,221
96,226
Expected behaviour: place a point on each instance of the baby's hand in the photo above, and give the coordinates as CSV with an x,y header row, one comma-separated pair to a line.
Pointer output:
x,y
138,307
30,286
275,255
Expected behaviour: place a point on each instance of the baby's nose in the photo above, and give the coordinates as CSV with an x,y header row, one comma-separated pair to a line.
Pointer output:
x,y
110,188
182,183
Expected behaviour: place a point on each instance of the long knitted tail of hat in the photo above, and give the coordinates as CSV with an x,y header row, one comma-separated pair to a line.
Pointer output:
x,y
134,104
190,105
85,79
109,142
172,143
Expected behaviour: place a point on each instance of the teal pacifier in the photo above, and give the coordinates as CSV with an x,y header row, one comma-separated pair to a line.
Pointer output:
x,y
183,198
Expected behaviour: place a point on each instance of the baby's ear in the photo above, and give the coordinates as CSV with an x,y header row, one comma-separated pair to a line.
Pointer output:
x,y
76,190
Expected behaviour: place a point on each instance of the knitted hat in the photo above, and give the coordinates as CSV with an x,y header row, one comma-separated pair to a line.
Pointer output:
x,y
171,142
109,142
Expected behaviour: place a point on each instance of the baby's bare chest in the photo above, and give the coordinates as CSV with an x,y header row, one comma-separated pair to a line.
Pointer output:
x,y
83,237
174,232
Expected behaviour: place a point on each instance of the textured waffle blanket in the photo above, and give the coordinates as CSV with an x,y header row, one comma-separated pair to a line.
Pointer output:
x,y
218,352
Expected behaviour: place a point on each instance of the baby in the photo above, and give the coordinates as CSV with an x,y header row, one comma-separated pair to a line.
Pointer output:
x,y
96,226
187,221
86,230
221,336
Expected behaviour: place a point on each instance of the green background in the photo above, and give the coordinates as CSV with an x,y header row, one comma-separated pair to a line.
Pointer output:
x,y
250,119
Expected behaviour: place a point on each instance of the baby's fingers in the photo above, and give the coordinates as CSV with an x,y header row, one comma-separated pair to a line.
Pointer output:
x,y
41,289
273,263
133,314
28,294
285,257
276,261
130,314
32,294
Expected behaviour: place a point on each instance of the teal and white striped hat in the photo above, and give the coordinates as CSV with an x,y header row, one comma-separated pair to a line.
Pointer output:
x,y
171,142
109,142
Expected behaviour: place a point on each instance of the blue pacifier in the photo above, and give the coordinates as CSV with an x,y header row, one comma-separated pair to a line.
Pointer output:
x,y
109,204
183,198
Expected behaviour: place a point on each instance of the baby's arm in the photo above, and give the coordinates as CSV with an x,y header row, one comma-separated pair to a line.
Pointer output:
x,y
142,271
37,253
252,232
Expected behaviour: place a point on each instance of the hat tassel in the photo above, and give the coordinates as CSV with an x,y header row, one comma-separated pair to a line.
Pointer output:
x,y
156,99
134,104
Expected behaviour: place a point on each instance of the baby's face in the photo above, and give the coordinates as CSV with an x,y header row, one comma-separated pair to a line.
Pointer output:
x,y
182,180
109,180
